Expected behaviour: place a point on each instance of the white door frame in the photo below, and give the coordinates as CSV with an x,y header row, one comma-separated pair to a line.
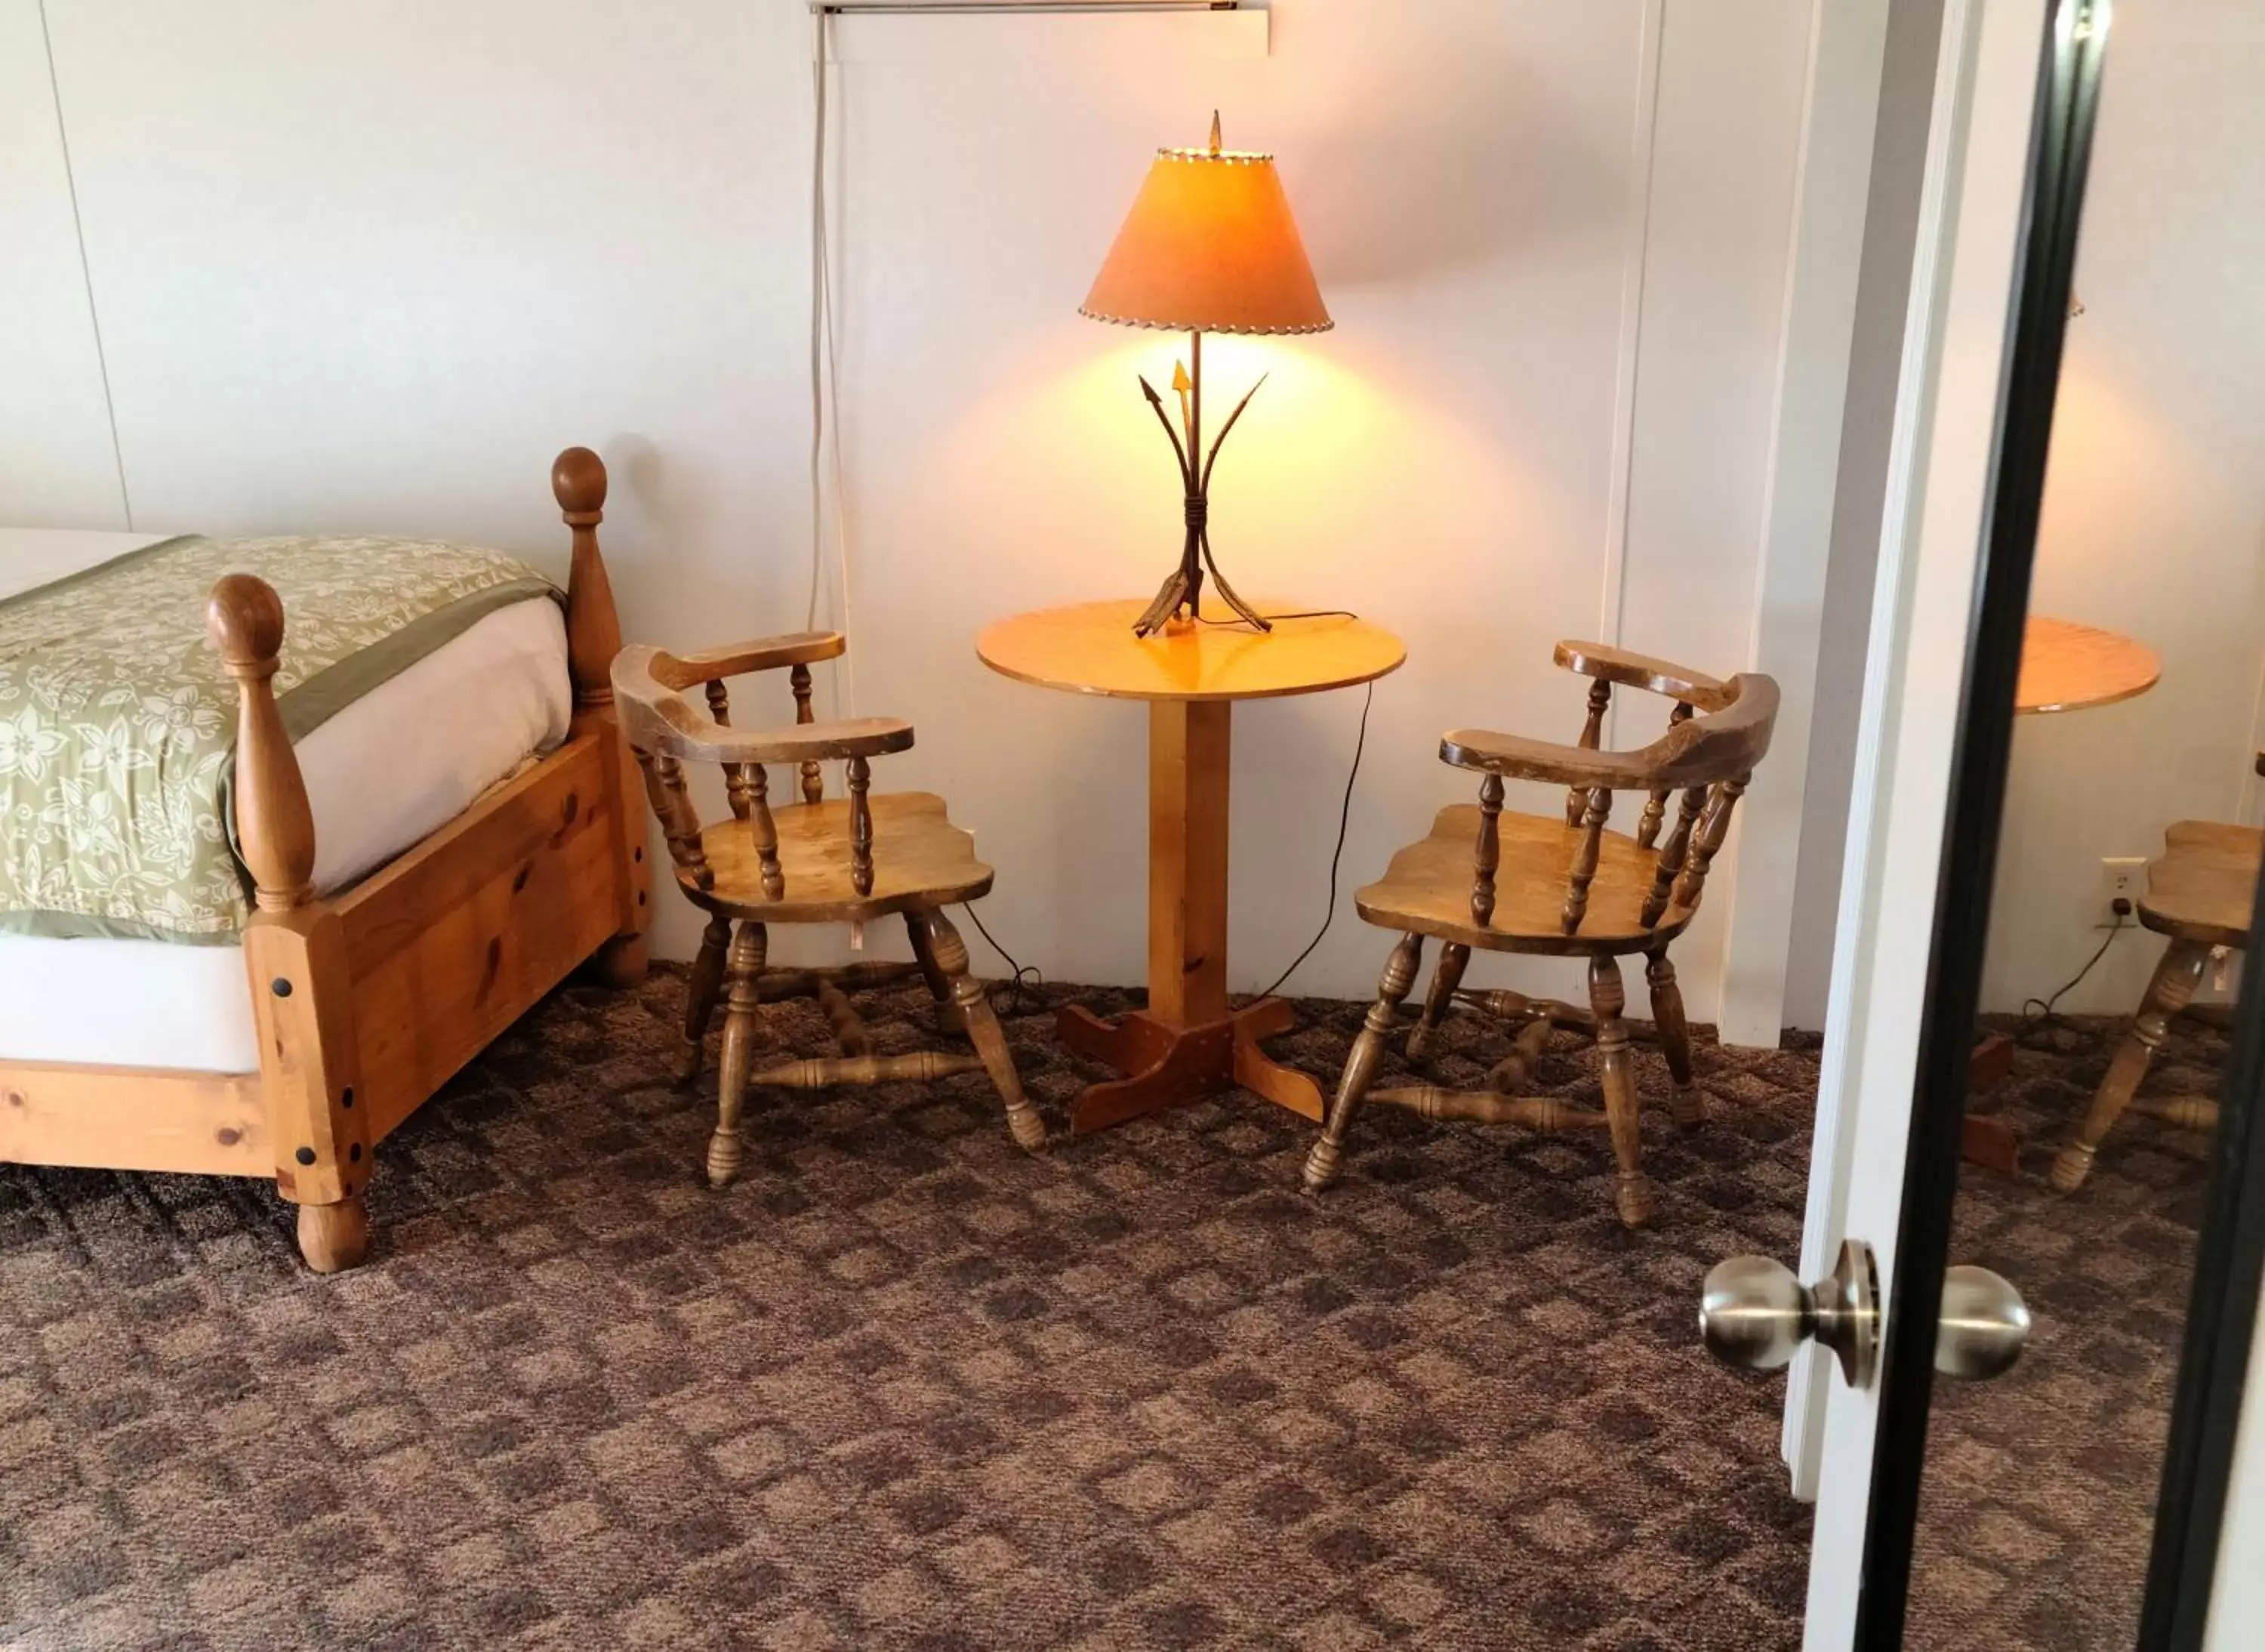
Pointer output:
x,y
1864,861
1942,470
1825,259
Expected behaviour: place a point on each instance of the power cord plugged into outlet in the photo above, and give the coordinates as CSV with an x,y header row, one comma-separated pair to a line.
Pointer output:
x,y
2041,1012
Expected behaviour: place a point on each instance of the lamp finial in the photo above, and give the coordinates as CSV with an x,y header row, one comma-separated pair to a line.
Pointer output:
x,y
1214,132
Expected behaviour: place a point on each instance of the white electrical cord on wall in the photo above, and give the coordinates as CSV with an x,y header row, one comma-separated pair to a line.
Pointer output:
x,y
824,386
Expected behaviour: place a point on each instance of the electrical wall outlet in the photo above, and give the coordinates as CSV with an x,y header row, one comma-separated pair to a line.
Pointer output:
x,y
2120,879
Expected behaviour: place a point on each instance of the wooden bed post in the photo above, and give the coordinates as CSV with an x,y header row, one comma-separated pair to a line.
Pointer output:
x,y
293,949
593,637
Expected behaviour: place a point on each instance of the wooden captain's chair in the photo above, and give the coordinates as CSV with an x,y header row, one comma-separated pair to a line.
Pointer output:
x,y
2199,893
1562,885
849,861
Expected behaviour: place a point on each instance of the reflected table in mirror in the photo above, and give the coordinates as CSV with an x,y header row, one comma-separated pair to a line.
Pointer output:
x,y
2065,666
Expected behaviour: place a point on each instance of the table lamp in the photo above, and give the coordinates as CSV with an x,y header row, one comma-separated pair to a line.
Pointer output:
x,y
1209,246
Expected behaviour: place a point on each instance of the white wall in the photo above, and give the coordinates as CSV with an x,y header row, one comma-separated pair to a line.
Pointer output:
x,y
56,467
369,266
2237,1602
2154,512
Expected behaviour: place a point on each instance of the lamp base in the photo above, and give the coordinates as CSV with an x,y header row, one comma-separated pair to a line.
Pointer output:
x,y
1184,590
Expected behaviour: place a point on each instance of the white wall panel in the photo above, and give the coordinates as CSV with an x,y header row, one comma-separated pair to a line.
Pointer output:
x,y
58,469
369,265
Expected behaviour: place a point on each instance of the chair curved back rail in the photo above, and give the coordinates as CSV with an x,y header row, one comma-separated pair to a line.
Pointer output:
x,y
665,729
1716,734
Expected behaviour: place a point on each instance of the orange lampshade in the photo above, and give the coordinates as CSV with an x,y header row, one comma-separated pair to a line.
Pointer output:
x,y
1210,247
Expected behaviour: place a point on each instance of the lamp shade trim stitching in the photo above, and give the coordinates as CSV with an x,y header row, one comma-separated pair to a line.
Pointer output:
x,y
1205,326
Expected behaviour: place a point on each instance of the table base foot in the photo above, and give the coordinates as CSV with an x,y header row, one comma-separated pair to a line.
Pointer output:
x,y
1990,1142
1169,1067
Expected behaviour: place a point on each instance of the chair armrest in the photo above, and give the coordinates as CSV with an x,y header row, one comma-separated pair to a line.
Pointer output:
x,y
1693,689
1515,757
738,660
704,739
657,718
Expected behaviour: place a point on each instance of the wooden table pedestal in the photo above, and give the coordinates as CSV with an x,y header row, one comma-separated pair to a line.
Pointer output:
x,y
1187,1044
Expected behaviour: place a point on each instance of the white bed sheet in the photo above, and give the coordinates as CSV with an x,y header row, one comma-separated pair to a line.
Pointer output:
x,y
406,757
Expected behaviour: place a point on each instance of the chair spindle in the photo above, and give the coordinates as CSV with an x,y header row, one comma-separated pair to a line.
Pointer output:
x,y
680,825
842,1015
1671,856
1585,855
1713,829
737,787
861,827
1592,736
1490,850
813,779
766,829
822,1073
1487,1107
1655,811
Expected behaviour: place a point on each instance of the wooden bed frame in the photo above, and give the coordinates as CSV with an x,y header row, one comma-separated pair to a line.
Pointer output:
x,y
367,1000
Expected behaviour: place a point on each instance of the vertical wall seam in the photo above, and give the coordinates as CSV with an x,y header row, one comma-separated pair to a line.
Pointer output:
x,y
1635,256
85,270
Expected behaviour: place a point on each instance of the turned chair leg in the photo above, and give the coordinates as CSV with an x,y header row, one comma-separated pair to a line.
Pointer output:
x,y
1326,1155
949,1020
1608,998
949,953
742,1007
1447,976
699,995
334,1237
2173,985
1689,1104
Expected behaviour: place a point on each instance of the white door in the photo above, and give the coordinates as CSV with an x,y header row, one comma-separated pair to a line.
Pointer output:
x,y
1941,476
1942,470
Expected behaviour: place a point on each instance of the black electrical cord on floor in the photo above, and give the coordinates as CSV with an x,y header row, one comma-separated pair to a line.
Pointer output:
x,y
1344,816
2043,1014
1023,988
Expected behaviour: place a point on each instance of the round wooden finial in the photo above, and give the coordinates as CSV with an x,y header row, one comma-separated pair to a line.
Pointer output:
x,y
578,482
245,620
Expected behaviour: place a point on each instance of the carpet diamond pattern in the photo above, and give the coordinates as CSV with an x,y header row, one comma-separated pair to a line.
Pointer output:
x,y
904,1385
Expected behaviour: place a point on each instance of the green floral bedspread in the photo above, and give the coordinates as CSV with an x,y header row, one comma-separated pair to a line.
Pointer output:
x,y
118,721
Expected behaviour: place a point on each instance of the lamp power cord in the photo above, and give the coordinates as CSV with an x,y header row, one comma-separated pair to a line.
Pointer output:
x,y
2037,1012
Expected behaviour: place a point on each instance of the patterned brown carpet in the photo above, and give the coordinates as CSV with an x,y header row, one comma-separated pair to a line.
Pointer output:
x,y
904,1387
2040,1492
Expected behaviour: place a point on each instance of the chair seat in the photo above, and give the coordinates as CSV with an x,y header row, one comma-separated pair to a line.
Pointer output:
x,y
2200,890
1427,889
920,860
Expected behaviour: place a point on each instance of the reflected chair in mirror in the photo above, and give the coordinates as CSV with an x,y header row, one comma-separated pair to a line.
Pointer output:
x,y
818,861
1564,885
2199,894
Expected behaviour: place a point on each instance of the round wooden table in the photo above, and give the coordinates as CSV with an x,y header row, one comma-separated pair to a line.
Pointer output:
x,y
2071,667
2065,666
1187,1042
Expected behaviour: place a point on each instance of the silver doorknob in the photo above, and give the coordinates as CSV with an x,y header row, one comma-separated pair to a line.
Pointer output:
x,y
1755,1314
1984,1327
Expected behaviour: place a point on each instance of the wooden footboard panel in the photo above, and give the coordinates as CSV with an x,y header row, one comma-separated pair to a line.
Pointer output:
x,y
134,1118
454,941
